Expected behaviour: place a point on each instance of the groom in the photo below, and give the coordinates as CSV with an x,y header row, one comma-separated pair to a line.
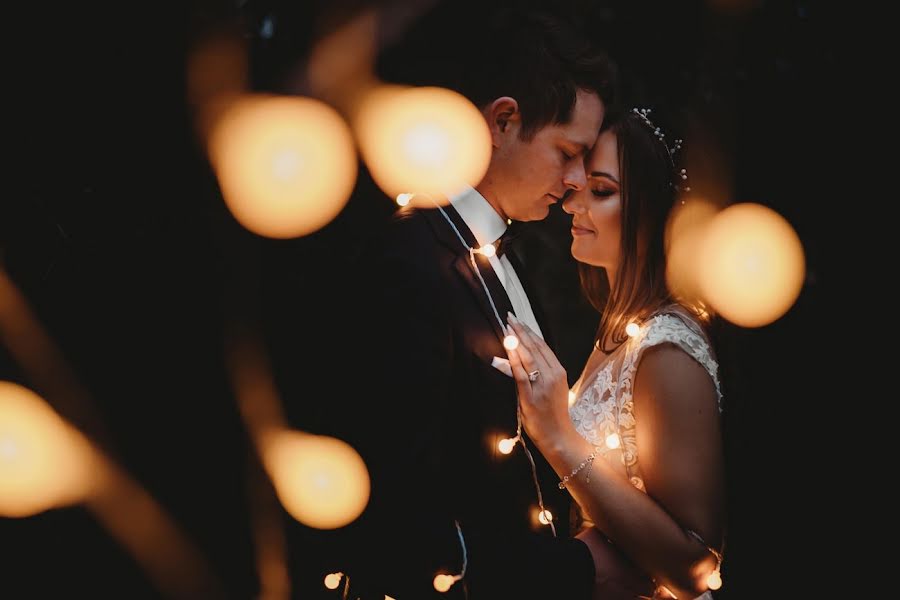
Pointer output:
x,y
430,333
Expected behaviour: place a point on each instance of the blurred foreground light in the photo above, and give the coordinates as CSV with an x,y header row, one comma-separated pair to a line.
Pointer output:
x,y
632,329
430,140
510,342
612,441
286,165
545,516
753,265
571,397
44,462
685,233
321,481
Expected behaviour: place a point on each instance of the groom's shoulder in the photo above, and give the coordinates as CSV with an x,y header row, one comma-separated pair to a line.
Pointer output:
x,y
410,226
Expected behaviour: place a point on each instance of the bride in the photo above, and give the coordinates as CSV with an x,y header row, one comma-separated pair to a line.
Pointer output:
x,y
640,446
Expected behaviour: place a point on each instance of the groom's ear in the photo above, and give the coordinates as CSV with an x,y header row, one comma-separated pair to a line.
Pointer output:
x,y
503,118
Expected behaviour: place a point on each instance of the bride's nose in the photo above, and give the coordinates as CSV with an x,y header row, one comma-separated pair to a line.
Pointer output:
x,y
573,204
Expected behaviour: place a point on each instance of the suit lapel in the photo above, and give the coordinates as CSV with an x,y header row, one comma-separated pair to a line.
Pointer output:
x,y
462,263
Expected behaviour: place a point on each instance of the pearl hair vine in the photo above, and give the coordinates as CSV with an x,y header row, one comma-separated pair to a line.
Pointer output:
x,y
680,175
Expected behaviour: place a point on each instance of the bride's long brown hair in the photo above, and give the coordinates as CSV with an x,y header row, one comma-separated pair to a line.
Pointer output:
x,y
648,195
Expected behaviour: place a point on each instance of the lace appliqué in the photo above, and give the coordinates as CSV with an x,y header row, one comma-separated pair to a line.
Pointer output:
x,y
606,405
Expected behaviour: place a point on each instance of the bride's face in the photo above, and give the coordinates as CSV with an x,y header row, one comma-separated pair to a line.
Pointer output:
x,y
597,209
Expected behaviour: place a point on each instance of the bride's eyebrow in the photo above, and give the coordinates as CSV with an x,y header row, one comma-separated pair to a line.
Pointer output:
x,y
604,174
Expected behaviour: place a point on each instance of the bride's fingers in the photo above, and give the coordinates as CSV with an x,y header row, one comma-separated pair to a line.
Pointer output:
x,y
526,356
531,356
519,374
537,345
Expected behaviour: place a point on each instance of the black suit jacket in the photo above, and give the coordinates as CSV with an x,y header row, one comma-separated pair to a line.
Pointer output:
x,y
426,413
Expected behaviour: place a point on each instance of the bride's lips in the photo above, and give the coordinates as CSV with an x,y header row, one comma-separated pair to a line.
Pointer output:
x,y
576,230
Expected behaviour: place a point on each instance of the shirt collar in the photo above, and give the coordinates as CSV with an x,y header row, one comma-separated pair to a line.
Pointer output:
x,y
480,217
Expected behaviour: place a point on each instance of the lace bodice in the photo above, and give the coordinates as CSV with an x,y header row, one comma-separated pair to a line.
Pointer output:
x,y
604,405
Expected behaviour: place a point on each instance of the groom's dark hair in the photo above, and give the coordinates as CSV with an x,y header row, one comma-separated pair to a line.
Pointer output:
x,y
541,61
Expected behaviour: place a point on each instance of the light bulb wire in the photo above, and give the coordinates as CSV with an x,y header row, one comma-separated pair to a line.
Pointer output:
x,y
504,329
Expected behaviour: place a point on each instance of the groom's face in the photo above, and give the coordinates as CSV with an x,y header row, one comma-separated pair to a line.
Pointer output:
x,y
532,175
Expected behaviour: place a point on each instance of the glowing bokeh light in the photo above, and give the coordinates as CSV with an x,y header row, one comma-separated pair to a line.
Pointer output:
x,y
403,199
571,397
488,250
632,329
612,441
321,481
510,342
333,580
429,140
44,462
286,165
443,582
506,445
545,516
753,265
685,234
714,581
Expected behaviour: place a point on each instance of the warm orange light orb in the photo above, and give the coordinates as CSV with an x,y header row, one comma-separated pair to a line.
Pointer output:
x,y
488,250
632,329
403,199
753,265
510,342
333,580
685,234
443,582
286,165
506,445
612,441
321,481
44,462
545,516
429,140
714,581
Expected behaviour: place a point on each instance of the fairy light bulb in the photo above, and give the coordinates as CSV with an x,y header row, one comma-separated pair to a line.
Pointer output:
x,y
510,342
545,516
488,250
612,441
632,329
571,397
714,581
506,445
333,580
443,582
403,199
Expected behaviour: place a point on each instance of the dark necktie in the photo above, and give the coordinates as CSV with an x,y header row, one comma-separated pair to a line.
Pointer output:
x,y
509,239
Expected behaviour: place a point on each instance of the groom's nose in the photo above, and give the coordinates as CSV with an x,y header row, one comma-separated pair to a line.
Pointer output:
x,y
575,178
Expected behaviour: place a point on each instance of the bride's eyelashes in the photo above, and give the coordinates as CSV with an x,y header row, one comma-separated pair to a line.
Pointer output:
x,y
603,192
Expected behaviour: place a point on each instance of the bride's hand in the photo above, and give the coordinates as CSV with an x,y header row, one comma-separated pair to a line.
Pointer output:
x,y
543,397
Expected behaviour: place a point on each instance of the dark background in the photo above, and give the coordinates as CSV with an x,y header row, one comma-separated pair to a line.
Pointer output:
x,y
114,230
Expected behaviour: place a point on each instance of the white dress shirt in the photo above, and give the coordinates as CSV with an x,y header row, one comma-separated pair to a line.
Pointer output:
x,y
487,227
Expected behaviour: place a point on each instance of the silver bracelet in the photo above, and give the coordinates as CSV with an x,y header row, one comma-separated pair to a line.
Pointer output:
x,y
588,462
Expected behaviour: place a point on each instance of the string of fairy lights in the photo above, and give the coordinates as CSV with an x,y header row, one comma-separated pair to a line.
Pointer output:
x,y
443,582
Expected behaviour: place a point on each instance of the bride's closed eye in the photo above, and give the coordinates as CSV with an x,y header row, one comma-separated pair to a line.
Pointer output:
x,y
602,192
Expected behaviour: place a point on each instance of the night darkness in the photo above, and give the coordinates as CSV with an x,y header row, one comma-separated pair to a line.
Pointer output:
x,y
118,238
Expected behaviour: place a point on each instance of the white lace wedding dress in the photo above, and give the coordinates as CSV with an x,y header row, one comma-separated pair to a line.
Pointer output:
x,y
603,404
